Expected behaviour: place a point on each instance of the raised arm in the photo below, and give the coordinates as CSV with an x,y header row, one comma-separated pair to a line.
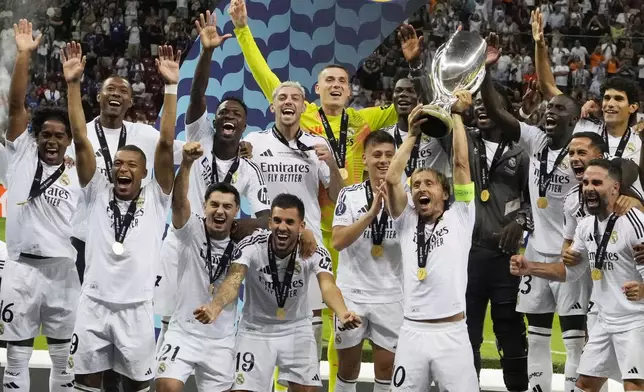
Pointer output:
x,y
395,189
460,156
546,79
168,67
210,40
180,204
494,106
73,65
226,294
411,46
264,76
25,44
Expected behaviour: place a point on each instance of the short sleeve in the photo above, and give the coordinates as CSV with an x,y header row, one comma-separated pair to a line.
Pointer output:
x,y
465,213
177,151
22,143
247,248
586,125
570,224
94,187
189,231
322,261
255,190
200,130
573,273
4,164
342,215
404,219
532,139
324,172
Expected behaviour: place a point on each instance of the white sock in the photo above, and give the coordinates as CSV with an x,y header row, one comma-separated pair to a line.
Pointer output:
x,y
83,388
16,374
574,341
59,379
381,385
165,321
317,333
539,359
345,386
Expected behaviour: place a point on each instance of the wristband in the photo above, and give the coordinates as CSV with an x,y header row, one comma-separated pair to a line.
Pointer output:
x,y
522,114
418,65
171,89
464,192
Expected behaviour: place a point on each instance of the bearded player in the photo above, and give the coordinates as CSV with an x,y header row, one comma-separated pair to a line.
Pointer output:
x,y
40,288
115,325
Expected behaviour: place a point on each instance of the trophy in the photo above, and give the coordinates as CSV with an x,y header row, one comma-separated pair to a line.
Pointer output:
x,y
459,64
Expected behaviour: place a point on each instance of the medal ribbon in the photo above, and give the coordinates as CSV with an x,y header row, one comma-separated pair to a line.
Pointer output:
x,y
280,288
422,246
122,224
224,260
214,175
485,172
544,176
38,188
581,203
600,254
378,227
339,149
105,149
622,142
412,163
300,146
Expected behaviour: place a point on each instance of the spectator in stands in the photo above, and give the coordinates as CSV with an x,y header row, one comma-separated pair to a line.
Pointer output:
x,y
52,94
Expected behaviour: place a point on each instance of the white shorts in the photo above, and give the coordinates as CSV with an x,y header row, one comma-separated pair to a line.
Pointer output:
x,y
380,324
41,293
212,360
538,296
438,352
294,352
113,336
165,287
591,320
605,352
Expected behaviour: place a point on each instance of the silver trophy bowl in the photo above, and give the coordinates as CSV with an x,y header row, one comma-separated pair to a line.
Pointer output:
x,y
459,64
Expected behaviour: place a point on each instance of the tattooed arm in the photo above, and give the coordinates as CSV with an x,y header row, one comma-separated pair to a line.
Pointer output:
x,y
227,293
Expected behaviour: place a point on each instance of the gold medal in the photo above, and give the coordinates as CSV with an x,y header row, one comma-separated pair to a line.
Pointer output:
x,y
211,290
596,274
281,313
542,202
485,195
344,173
422,273
22,203
377,250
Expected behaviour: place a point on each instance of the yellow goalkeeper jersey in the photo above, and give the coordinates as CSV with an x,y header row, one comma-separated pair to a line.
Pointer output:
x,y
361,122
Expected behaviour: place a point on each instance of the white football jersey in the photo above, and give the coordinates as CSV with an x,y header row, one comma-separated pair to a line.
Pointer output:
x,y
442,293
143,136
430,152
260,304
288,170
248,179
127,278
619,267
547,236
631,151
4,164
362,277
194,281
41,227
3,256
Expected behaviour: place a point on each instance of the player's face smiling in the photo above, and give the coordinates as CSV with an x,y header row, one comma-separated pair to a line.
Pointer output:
x,y
285,225
220,210
377,158
616,108
405,97
128,172
427,194
53,142
581,152
115,97
230,121
558,118
288,106
333,87
599,189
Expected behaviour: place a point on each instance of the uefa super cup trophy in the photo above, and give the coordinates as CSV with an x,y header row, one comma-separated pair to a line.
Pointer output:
x,y
459,64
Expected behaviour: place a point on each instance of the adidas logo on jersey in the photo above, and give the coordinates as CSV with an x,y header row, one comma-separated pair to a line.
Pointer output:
x,y
576,306
633,371
363,210
316,378
11,385
537,389
266,153
149,372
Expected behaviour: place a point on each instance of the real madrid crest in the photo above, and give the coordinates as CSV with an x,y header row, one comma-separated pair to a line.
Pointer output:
x,y
298,267
630,147
140,202
64,179
512,162
613,237
162,368
240,378
565,163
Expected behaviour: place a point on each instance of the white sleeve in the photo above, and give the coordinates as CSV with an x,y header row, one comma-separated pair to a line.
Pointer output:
x,y
247,249
255,189
322,261
585,125
570,224
4,164
177,150
161,199
408,213
188,232
22,144
97,184
466,214
342,215
201,130
573,273
532,139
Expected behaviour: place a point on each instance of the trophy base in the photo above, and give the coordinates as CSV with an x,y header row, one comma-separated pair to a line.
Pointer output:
x,y
439,121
